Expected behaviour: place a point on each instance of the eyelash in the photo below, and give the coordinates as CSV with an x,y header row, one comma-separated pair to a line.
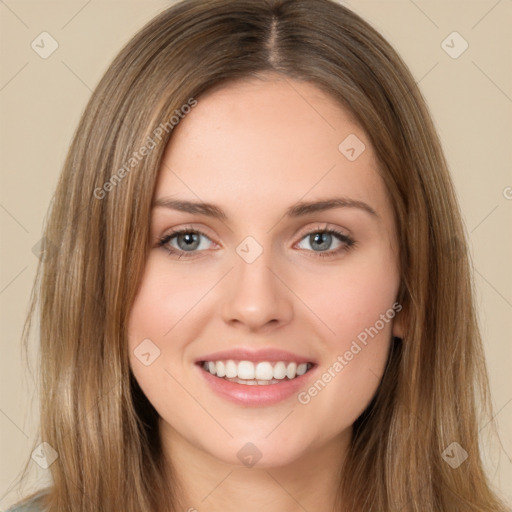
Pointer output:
x,y
349,242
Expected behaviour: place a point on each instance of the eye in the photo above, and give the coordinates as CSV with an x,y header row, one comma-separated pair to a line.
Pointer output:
x,y
188,241
321,239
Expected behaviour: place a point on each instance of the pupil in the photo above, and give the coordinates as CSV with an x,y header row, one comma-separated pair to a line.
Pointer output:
x,y
324,245
189,237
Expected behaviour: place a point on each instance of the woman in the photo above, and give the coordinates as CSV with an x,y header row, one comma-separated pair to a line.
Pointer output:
x,y
257,294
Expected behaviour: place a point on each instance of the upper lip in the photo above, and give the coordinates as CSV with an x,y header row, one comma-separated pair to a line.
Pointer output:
x,y
264,354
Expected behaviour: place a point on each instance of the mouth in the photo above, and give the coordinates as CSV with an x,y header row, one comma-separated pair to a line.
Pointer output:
x,y
256,378
261,373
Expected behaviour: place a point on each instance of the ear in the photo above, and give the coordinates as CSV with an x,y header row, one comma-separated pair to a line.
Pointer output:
x,y
399,321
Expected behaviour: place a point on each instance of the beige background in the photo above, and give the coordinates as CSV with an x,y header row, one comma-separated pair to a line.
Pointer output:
x,y
41,101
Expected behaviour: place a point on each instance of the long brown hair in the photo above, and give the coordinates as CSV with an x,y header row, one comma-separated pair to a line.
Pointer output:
x,y
94,415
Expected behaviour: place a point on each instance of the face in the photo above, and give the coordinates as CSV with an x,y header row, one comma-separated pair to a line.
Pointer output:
x,y
263,279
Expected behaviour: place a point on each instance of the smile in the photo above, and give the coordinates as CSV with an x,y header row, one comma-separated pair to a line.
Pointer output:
x,y
261,383
260,373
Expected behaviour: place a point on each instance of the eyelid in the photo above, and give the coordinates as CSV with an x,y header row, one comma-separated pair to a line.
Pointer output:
x,y
323,226
189,228
320,226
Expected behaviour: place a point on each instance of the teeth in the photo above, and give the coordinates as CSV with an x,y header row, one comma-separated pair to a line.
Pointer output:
x,y
221,369
279,370
264,372
245,370
231,369
302,368
291,370
254,382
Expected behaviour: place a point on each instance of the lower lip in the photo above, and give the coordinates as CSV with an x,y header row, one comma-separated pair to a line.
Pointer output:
x,y
255,395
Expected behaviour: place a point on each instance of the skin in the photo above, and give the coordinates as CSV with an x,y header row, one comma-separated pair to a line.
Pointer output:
x,y
254,148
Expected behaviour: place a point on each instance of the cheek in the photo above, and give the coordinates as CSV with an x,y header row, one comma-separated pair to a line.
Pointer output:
x,y
356,312
160,303
162,307
168,310
352,297
164,300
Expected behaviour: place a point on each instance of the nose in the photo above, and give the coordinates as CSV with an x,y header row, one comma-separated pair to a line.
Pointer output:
x,y
257,296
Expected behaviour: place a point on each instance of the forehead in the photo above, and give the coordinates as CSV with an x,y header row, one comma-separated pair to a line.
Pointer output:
x,y
265,144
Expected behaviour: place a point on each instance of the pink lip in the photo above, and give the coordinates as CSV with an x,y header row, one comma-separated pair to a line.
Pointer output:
x,y
242,354
256,395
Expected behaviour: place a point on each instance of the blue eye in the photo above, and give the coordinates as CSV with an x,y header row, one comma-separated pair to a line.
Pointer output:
x,y
324,237
189,241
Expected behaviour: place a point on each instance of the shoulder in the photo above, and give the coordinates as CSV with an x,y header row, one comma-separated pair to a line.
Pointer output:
x,y
27,507
30,504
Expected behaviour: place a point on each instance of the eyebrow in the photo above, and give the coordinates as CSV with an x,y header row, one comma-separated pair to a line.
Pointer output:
x,y
297,210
